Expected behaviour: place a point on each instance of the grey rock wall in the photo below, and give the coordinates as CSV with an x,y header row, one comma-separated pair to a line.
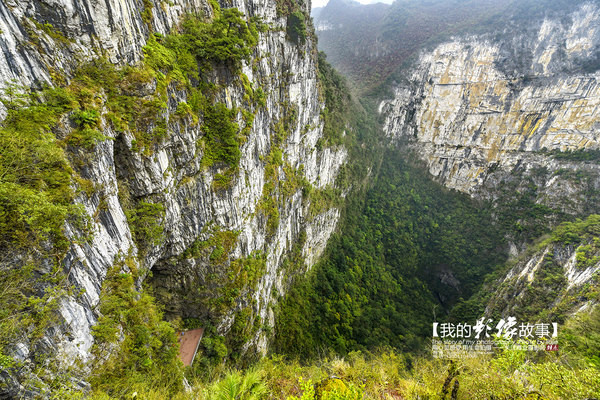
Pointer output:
x,y
172,174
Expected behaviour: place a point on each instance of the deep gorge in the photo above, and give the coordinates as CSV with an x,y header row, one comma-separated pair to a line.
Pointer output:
x,y
170,165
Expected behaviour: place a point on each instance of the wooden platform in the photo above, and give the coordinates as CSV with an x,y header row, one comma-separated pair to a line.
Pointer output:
x,y
188,345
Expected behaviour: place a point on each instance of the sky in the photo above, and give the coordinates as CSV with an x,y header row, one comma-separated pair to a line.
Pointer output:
x,y
322,3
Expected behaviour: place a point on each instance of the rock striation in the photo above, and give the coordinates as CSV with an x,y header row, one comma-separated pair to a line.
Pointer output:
x,y
44,41
478,107
558,278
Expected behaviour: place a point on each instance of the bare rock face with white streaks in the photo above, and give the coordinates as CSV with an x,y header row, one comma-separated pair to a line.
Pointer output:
x,y
477,108
42,39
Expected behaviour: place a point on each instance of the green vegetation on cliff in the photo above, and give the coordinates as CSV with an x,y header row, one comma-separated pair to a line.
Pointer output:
x,y
407,252
225,40
36,178
132,344
222,143
296,27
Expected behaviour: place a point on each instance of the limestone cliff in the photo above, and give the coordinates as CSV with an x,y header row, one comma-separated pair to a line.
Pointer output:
x,y
213,216
479,109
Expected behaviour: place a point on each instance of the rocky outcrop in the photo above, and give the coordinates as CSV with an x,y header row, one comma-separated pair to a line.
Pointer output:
x,y
557,278
484,110
46,40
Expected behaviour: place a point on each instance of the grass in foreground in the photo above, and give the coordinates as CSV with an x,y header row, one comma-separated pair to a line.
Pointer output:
x,y
509,375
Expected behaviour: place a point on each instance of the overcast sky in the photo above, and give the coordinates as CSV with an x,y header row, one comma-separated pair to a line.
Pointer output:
x,y
322,3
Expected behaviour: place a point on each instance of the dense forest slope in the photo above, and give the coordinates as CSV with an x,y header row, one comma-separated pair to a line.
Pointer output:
x,y
179,144
408,250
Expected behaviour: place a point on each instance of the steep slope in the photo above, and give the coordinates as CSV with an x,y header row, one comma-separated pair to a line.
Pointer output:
x,y
196,163
558,278
509,117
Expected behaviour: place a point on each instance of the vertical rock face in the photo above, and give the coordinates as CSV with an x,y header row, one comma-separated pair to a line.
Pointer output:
x,y
209,230
512,117
480,109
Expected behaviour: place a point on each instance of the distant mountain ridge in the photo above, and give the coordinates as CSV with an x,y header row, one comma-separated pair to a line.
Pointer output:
x,y
370,43
346,34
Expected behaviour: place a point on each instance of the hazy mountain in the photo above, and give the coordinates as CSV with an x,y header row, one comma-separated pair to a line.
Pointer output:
x,y
315,12
367,43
